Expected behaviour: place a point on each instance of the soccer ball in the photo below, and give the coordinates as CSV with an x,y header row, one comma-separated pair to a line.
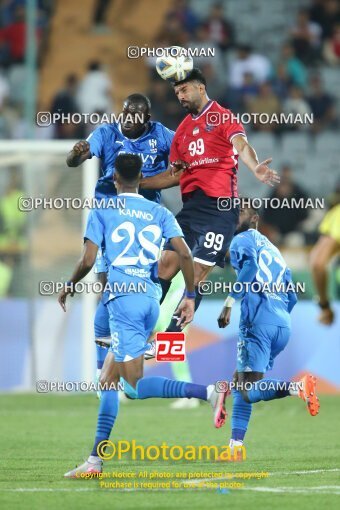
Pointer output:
x,y
175,64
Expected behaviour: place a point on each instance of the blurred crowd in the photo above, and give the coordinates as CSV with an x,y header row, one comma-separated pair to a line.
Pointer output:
x,y
244,80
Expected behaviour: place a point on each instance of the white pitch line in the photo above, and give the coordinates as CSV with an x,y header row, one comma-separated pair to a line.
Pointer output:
x,y
323,489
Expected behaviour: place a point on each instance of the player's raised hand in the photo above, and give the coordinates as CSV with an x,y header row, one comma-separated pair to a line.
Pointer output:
x,y
185,312
178,166
266,174
81,147
224,318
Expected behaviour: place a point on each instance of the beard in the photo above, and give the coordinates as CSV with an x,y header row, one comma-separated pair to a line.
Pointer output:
x,y
245,225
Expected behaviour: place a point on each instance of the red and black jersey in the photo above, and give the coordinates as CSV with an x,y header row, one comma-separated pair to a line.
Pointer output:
x,y
204,141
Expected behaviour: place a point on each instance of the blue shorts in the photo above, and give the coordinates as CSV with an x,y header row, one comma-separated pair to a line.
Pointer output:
x,y
207,231
132,320
258,346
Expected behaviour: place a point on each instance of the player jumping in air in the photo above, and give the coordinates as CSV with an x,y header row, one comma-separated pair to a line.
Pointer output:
x,y
264,324
137,134
208,143
133,237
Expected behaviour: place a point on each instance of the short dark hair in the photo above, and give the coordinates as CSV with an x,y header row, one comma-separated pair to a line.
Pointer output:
x,y
128,166
194,75
139,99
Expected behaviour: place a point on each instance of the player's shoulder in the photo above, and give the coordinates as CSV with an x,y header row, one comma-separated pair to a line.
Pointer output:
x,y
105,130
248,237
219,108
158,129
183,125
158,210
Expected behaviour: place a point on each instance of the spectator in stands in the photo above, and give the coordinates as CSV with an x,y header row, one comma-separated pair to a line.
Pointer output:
x,y
4,89
184,15
248,62
65,103
294,68
281,82
172,31
326,13
331,48
322,105
94,92
249,90
100,14
265,103
306,38
202,41
164,105
282,221
4,55
220,30
14,35
298,106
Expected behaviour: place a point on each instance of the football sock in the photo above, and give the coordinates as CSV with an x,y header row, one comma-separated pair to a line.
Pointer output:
x,y
108,410
173,323
165,284
101,355
161,387
268,389
240,416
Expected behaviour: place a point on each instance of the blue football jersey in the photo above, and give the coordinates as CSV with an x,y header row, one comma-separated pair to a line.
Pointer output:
x,y
262,307
107,141
132,235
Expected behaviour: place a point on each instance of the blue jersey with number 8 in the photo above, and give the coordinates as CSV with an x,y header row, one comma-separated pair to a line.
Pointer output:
x,y
268,269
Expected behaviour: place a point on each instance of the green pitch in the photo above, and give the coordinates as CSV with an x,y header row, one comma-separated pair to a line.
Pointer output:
x,y
43,436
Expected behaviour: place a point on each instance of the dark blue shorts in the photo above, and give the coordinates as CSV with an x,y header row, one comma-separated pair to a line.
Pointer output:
x,y
207,231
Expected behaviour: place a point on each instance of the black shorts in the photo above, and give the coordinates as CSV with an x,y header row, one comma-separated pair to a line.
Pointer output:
x,y
207,231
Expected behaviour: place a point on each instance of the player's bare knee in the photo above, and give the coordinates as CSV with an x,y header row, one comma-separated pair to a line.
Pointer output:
x,y
201,272
168,265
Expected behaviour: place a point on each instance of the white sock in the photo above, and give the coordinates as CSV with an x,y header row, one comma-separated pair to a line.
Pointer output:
x,y
210,390
294,389
235,442
93,459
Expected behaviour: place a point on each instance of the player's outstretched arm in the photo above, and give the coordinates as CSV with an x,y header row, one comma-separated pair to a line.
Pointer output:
x,y
249,157
186,308
79,153
82,268
163,180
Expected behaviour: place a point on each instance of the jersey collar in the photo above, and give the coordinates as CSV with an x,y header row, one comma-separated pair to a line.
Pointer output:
x,y
205,109
130,195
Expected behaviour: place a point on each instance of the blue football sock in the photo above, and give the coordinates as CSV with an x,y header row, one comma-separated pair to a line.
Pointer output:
x,y
161,387
268,389
101,355
107,414
240,416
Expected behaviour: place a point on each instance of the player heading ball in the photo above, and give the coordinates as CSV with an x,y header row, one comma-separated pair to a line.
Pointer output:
x,y
204,161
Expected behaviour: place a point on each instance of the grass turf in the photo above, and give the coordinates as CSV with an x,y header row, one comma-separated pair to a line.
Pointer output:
x,y
42,436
